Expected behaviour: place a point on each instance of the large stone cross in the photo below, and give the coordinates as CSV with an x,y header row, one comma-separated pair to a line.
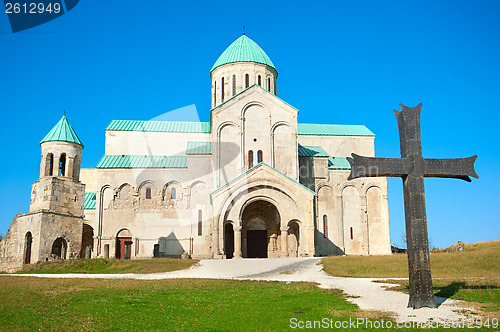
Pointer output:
x,y
412,167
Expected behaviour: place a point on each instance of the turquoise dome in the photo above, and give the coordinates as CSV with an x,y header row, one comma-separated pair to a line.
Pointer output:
x,y
243,49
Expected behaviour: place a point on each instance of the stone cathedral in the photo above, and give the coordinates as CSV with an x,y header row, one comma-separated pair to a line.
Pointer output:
x,y
251,183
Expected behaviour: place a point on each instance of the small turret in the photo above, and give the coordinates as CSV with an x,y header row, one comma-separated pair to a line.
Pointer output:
x,y
61,152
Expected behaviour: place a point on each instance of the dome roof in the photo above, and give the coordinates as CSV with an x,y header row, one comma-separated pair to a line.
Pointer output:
x,y
62,132
243,49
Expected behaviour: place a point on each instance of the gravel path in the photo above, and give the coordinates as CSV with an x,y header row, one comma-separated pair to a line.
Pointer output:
x,y
368,295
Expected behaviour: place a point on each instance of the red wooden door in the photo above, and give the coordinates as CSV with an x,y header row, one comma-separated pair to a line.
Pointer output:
x,y
120,246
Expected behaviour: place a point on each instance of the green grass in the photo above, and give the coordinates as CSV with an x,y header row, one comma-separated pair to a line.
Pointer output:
x,y
29,303
111,266
471,275
477,260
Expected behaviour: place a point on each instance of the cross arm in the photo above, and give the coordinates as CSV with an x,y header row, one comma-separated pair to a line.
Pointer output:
x,y
372,167
459,168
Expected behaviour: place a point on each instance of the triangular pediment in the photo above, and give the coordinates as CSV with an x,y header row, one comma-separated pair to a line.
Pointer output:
x,y
254,92
262,173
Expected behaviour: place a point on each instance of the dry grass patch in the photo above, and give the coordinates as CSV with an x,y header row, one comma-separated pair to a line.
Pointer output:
x,y
106,266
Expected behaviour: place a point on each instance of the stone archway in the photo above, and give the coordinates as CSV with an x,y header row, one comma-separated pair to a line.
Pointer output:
x,y
87,242
59,248
260,230
229,240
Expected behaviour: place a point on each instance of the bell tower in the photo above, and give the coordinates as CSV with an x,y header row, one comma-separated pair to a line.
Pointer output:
x,y
59,188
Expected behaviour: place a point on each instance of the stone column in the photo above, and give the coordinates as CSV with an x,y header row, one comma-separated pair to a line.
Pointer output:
x,y
237,242
69,167
55,167
284,242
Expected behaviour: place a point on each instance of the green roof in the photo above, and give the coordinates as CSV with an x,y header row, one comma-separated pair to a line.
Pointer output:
x,y
204,127
338,163
243,49
312,151
159,126
126,161
62,132
333,130
199,148
89,201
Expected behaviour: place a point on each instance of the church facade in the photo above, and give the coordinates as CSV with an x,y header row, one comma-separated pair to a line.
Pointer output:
x,y
252,182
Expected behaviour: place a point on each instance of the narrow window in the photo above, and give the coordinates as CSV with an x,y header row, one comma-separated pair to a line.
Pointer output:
x,y
352,237
148,193
250,159
268,84
215,93
234,85
200,224
247,80
259,80
222,90
172,193
259,156
62,165
325,226
275,87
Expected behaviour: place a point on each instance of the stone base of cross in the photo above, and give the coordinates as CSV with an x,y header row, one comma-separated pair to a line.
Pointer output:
x,y
412,168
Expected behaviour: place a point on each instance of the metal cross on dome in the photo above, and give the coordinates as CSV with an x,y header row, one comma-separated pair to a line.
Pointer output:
x,y
412,167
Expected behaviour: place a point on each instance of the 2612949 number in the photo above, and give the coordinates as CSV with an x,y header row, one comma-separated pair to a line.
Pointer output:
x,y
32,8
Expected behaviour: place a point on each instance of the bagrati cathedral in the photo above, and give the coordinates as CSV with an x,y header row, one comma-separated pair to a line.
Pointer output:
x,y
251,183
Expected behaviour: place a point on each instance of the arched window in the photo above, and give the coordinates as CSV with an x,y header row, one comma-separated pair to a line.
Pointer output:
x,y
172,193
325,226
247,80
234,85
62,165
222,90
352,236
268,84
275,88
49,164
250,159
215,93
259,80
259,156
200,222
148,193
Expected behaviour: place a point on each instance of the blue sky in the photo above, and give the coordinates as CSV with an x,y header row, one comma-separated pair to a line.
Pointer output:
x,y
345,62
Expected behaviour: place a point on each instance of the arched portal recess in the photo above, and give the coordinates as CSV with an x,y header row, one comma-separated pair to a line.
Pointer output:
x,y
229,240
28,240
260,230
87,241
59,248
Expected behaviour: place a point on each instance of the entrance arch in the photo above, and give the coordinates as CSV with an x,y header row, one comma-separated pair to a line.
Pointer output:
x,y
260,229
59,248
123,238
28,240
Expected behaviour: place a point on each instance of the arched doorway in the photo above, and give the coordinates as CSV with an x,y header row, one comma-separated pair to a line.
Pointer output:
x,y
28,240
123,240
87,241
260,230
59,248
293,239
229,240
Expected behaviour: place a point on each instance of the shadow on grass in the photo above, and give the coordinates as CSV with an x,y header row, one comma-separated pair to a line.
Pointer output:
x,y
450,290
